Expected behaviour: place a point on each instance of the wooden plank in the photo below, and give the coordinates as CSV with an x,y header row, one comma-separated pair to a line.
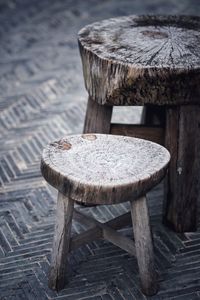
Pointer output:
x,y
183,182
153,133
144,246
61,243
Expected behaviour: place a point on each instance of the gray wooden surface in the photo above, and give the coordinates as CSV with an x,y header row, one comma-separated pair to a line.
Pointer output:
x,y
104,169
42,98
137,60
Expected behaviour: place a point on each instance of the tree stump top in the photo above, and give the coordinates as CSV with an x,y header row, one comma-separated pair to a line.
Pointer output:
x,y
98,168
142,59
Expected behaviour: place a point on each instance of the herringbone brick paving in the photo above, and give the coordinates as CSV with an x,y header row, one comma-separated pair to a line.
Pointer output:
x,y
42,98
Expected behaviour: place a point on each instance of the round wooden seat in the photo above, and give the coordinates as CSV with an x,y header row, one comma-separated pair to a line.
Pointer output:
x,y
142,59
104,169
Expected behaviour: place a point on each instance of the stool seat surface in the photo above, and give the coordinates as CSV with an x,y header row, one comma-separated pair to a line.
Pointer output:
x,y
98,168
140,55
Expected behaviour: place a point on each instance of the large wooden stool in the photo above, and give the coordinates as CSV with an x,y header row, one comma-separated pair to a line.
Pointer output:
x,y
103,169
151,61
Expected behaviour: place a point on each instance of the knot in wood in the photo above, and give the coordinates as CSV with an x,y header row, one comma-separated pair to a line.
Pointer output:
x,y
90,137
61,144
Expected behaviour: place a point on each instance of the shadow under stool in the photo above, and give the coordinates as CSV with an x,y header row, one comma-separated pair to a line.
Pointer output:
x,y
103,169
152,61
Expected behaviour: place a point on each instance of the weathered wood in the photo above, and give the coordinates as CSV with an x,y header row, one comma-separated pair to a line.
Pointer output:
x,y
142,59
144,246
96,232
97,118
119,240
109,234
61,243
153,133
183,142
115,223
104,169
85,237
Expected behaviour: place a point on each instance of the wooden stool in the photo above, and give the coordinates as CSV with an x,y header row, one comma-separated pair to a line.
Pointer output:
x,y
103,169
151,61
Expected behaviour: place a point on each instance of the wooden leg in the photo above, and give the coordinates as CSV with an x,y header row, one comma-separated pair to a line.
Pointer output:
x,y
144,246
61,244
98,118
183,182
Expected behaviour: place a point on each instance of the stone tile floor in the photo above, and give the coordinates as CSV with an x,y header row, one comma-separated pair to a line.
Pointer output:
x,y
42,98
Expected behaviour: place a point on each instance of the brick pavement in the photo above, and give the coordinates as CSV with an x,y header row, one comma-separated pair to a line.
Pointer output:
x,y
42,98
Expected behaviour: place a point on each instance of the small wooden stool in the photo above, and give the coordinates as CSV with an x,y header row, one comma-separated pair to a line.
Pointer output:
x,y
103,169
152,61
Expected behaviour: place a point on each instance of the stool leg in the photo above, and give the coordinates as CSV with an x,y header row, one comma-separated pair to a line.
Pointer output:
x,y
61,243
98,118
144,246
182,139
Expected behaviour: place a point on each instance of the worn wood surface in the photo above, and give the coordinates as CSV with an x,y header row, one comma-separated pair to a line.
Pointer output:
x,y
61,243
96,168
183,185
153,133
144,246
97,118
142,59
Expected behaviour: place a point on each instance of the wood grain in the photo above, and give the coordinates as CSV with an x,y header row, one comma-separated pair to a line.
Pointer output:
x,y
144,246
183,185
61,243
95,168
97,118
142,59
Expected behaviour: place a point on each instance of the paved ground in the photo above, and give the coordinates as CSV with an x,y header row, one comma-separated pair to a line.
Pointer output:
x,y
42,98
